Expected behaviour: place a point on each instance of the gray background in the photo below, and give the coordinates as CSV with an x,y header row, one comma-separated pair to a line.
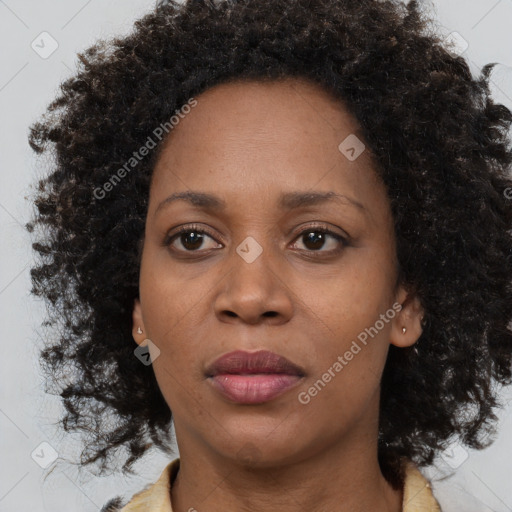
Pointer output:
x,y
463,481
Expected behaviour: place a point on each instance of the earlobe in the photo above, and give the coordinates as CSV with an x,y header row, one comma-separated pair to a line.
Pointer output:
x,y
138,330
407,327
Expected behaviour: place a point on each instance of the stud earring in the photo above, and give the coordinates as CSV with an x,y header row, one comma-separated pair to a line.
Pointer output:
x,y
139,330
404,330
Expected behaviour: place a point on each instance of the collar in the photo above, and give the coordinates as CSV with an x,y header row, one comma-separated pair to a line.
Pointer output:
x,y
418,496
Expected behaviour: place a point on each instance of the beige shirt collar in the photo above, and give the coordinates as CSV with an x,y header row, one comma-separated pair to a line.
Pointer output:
x,y
418,496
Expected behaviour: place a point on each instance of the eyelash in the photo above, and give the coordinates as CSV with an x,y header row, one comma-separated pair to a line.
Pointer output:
x,y
169,239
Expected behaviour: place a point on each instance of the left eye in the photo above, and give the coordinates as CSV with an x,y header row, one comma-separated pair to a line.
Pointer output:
x,y
316,239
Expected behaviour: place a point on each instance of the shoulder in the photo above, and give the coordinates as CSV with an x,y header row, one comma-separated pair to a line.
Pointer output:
x,y
418,493
154,496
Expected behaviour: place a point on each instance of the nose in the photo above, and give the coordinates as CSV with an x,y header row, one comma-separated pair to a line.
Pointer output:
x,y
254,291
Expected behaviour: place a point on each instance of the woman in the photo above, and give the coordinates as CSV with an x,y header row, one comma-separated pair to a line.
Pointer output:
x,y
299,212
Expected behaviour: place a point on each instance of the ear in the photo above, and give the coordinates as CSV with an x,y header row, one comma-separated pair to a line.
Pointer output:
x,y
409,317
138,323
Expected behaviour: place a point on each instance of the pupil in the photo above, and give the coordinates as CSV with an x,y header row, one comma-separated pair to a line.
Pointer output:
x,y
190,236
316,238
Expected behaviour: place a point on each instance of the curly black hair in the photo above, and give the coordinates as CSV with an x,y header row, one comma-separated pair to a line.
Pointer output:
x,y
441,147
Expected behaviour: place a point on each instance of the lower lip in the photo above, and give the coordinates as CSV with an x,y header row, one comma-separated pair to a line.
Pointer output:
x,y
253,389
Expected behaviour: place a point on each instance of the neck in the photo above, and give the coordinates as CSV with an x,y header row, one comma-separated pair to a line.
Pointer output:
x,y
342,478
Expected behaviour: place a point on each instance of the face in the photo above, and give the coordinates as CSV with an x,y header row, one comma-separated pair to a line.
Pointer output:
x,y
270,262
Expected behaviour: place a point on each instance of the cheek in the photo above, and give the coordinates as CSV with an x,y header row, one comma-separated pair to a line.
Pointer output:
x,y
171,306
172,322
350,300
348,363
169,298
352,314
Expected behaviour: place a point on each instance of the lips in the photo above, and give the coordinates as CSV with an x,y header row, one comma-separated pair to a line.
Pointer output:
x,y
262,361
253,377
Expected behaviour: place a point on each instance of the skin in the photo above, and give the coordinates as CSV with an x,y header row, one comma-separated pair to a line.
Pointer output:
x,y
248,143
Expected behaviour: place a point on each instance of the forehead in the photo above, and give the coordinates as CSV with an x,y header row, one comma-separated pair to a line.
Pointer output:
x,y
251,108
249,137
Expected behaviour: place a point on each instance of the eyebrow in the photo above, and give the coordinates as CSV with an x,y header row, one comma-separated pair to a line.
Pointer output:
x,y
287,201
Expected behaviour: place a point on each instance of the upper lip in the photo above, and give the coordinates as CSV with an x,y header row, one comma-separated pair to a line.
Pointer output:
x,y
262,361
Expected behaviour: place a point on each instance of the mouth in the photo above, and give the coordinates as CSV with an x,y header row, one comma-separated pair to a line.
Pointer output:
x,y
253,377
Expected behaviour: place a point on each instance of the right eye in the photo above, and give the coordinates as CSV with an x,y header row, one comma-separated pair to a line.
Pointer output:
x,y
191,238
